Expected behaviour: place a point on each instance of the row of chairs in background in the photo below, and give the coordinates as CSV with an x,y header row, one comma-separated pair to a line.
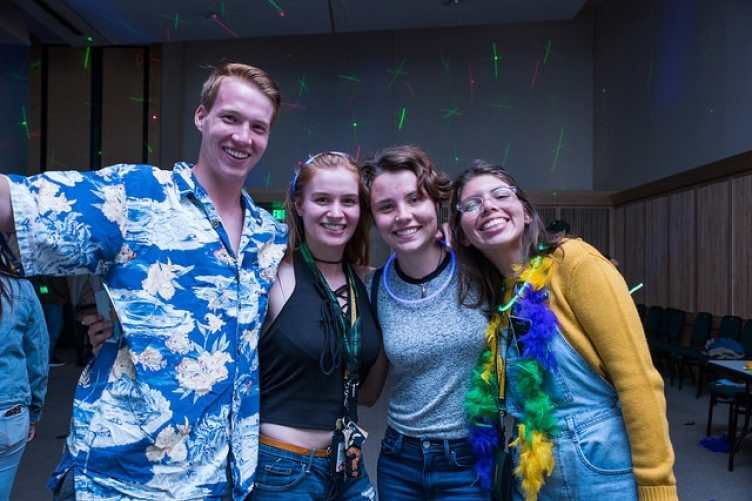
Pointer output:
x,y
683,356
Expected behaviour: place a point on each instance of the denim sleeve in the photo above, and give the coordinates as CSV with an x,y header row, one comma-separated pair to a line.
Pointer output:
x,y
36,347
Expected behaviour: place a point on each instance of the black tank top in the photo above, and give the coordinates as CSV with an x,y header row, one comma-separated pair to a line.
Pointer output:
x,y
295,391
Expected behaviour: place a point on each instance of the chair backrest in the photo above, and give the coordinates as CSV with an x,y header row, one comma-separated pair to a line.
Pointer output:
x,y
653,320
676,325
701,329
642,310
729,327
665,324
746,339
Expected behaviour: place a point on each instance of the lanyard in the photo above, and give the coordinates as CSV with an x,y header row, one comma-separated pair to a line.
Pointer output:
x,y
501,358
350,333
506,329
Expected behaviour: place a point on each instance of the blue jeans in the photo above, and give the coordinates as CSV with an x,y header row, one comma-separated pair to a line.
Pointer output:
x,y
283,475
66,489
424,469
14,430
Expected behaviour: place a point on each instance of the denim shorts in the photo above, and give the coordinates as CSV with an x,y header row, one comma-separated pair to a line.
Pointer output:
x,y
284,475
418,469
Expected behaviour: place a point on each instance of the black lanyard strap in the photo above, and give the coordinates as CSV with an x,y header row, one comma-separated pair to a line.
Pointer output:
x,y
350,330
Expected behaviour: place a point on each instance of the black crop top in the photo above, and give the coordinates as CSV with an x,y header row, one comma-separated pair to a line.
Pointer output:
x,y
295,391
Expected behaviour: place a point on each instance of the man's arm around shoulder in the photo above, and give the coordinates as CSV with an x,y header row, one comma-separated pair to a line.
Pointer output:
x,y
6,208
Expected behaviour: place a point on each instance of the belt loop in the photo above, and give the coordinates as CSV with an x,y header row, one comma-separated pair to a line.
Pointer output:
x,y
398,442
447,452
311,458
571,428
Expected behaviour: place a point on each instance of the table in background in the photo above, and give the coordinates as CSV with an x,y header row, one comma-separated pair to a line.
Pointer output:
x,y
736,369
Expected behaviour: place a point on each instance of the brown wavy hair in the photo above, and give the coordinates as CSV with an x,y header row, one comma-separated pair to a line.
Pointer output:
x,y
431,183
250,74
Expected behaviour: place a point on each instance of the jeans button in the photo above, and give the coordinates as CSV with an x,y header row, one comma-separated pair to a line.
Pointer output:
x,y
426,444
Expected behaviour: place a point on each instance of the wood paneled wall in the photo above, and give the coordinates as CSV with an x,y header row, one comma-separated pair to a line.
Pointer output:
x,y
688,238
592,224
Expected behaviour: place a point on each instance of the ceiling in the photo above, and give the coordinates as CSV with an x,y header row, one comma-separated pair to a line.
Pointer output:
x,y
142,22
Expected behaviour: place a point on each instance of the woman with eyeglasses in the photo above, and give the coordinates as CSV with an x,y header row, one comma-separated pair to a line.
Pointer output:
x,y
588,404
319,343
432,342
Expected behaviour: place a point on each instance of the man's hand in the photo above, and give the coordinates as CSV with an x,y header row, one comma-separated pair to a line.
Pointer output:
x,y
99,331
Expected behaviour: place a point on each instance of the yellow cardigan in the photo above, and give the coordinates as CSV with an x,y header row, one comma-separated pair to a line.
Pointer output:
x,y
598,318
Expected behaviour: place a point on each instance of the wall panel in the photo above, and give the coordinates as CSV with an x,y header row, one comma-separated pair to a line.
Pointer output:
x,y
591,224
740,277
618,226
656,251
547,214
713,248
682,269
122,105
68,109
633,266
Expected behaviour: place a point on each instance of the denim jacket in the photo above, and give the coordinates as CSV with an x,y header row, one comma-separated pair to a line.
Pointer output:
x,y
24,349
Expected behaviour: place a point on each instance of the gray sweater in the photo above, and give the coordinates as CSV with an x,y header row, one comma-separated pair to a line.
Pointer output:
x,y
432,347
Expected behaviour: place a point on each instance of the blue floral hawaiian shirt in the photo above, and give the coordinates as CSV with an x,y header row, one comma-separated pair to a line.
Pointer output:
x,y
171,409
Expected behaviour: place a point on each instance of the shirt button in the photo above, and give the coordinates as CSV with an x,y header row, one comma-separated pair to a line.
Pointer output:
x,y
215,224
426,444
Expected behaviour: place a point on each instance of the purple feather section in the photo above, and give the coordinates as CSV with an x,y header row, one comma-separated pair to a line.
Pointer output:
x,y
483,439
534,307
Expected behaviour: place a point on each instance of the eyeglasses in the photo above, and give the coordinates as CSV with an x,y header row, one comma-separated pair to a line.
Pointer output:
x,y
498,195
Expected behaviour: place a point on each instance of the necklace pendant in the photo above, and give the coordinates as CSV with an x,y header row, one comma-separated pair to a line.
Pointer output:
x,y
423,291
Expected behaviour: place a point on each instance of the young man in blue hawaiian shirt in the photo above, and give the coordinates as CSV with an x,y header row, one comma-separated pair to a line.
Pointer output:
x,y
170,409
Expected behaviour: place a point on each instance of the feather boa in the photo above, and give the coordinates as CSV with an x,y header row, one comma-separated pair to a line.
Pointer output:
x,y
482,407
538,423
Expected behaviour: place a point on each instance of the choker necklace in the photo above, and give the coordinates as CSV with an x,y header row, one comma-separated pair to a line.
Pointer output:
x,y
422,299
325,261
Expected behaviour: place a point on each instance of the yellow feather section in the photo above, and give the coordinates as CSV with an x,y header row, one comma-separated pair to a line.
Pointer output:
x,y
493,324
489,365
489,371
535,459
536,273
